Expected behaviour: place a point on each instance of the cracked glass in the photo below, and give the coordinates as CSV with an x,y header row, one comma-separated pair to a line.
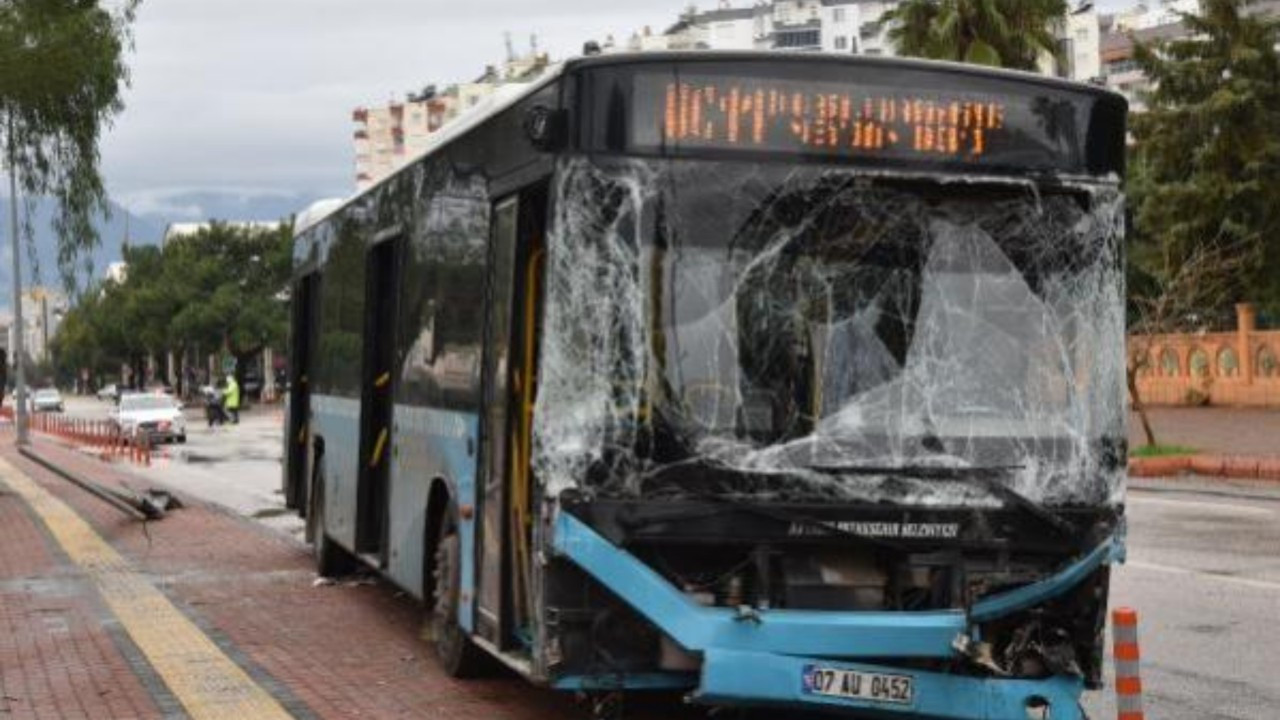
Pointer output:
x,y
813,334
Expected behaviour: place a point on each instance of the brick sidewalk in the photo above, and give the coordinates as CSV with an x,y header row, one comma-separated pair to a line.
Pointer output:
x,y
61,654
334,651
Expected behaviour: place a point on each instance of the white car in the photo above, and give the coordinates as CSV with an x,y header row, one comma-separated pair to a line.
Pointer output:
x,y
157,415
47,400
108,392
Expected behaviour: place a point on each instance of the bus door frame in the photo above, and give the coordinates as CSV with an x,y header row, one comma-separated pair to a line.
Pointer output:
x,y
499,576
383,267
305,307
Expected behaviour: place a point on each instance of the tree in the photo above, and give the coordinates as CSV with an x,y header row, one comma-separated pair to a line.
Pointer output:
x,y
1205,175
62,72
1162,304
1000,33
219,289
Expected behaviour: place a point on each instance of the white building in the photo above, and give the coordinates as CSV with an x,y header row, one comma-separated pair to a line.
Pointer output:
x,y
42,313
1081,38
116,272
844,26
1145,16
841,26
173,231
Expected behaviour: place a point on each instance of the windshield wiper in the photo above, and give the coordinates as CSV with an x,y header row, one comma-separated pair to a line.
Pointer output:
x,y
926,472
983,476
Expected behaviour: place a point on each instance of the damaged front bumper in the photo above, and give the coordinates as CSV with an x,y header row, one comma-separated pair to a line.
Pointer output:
x,y
732,677
754,657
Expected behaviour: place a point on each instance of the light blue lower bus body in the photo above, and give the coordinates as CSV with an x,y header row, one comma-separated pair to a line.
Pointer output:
x,y
763,657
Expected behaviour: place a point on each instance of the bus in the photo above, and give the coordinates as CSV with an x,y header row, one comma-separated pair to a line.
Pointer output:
x,y
770,379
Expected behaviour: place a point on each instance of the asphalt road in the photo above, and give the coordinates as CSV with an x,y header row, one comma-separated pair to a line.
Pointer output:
x,y
1204,575
1203,568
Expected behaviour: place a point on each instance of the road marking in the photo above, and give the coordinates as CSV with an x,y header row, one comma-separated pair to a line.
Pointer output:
x,y
207,683
1188,504
1202,575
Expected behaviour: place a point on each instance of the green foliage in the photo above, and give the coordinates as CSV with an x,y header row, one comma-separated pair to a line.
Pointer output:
x,y
1161,450
1205,174
1000,33
217,289
62,72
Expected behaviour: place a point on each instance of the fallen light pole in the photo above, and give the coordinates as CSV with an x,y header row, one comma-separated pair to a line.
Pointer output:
x,y
148,505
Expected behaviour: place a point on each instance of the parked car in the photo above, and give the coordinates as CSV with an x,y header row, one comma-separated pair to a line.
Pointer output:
x,y
47,400
153,414
109,392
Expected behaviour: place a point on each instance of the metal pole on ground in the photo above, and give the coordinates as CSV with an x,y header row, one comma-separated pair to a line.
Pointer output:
x,y
19,374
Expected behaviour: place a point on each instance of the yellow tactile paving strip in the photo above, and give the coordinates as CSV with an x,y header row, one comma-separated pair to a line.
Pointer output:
x,y
207,683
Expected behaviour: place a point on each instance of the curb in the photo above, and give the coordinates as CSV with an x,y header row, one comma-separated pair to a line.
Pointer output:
x,y
1233,466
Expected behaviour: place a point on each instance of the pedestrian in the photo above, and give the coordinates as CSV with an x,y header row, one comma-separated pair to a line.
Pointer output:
x,y
213,406
231,398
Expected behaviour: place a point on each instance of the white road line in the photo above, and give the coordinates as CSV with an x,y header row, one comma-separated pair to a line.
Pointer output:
x,y
1201,575
1200,504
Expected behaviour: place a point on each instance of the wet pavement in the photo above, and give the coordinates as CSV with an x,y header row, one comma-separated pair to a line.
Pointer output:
x,y
1217,430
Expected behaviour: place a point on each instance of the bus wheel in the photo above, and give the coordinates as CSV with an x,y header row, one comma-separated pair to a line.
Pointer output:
x,y
331,559
458,655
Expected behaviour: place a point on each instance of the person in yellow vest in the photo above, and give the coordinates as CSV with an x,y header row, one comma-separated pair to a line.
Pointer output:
x,y
231,398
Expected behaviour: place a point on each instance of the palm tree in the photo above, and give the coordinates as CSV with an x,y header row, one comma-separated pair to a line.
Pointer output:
x,y
1001,33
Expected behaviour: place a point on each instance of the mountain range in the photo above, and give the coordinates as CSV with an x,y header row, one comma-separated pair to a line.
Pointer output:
x,y
139,228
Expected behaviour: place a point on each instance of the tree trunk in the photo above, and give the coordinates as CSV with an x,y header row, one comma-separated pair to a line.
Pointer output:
x,y
1131,378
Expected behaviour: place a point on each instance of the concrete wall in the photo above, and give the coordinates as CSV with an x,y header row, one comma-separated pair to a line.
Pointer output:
x,y
1231,368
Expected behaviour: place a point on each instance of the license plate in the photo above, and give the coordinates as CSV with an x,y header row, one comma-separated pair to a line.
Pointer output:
x,y
857,685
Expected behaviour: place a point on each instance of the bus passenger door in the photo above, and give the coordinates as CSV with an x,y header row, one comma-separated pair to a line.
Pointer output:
x,y
497,357
503,595
377,385
298,429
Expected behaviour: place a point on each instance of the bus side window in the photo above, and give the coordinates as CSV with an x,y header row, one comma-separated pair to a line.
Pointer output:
x,y
453,329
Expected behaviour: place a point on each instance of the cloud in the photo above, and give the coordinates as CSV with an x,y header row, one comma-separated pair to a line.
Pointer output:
x,y
256,95
149,202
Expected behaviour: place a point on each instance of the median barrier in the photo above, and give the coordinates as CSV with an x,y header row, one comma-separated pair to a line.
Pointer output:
x,y
1233,466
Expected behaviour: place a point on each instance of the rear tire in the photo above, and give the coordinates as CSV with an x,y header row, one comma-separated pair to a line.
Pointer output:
x,y
458,656
331,559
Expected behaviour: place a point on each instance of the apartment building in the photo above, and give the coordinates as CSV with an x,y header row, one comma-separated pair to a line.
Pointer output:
x,y
844,26
389,136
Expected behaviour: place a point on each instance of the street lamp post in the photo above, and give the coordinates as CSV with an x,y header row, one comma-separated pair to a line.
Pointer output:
x,y
19,375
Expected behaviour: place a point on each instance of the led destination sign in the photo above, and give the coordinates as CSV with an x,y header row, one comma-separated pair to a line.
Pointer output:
x,y
792,116
864,114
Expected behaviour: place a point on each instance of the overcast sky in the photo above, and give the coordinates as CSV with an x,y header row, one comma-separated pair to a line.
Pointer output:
x,y
254,97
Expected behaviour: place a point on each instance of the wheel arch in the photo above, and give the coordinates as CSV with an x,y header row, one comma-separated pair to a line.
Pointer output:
x,y
439,495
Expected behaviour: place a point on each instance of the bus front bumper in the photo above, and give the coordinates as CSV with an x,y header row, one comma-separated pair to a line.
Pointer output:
x,y
768,657
732,677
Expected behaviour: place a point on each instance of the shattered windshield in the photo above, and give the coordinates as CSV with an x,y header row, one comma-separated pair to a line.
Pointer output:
x,y
808,333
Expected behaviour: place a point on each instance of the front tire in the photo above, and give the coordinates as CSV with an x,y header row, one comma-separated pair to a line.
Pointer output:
x,y
458,656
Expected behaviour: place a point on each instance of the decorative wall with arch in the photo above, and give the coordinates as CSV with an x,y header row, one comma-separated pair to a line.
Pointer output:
x,y
1228,368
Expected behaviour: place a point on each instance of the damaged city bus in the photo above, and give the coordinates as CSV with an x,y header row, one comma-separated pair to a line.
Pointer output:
x,y
773,379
